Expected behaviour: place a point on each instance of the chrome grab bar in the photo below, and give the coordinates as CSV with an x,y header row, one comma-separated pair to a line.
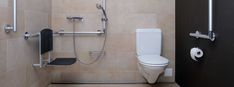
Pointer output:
x,y
210,19
79,33
8,27
211,34
28,35
15,16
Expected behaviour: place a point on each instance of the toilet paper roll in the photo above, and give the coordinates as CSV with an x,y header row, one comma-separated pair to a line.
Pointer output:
x,y
196,53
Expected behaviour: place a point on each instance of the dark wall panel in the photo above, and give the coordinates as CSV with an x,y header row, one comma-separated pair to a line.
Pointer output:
x,y
216,69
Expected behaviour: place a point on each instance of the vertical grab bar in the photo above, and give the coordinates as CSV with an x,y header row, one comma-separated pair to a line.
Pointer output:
x,y
8,27
15,15
211,34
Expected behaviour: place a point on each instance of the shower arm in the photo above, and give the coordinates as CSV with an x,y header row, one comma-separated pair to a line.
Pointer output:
x,y
211,34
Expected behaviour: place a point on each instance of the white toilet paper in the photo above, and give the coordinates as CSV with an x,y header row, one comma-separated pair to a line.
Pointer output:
x,y
196,53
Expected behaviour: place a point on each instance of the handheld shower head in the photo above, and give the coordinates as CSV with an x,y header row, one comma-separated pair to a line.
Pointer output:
x,y
99,6
103,11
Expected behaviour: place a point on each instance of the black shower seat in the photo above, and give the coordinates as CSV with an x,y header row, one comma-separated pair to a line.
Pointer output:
x,y
46,42
62,61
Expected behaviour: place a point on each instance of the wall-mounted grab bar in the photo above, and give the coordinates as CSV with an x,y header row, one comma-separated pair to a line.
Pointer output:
x,y
15,16
28,35
211,34
9,27
210,18
79,33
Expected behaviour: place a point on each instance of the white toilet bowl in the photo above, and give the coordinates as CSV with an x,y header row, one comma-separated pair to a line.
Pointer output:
x,y
151,66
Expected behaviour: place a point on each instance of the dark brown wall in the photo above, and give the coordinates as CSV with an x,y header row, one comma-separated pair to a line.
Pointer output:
x,y
216,69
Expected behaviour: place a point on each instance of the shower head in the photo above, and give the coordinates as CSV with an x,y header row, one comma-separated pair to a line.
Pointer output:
x,y
103,11
99,6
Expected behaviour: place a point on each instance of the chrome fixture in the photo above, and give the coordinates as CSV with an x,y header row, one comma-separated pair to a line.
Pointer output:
x,y
8,27
75,18
103,11
28,35
61,32
211,34
104,19
41,59
198,34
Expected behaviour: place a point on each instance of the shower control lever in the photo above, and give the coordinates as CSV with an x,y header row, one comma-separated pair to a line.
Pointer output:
x,y
75,18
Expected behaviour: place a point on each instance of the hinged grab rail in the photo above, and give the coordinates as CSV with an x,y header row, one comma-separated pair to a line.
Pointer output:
x,y
211,34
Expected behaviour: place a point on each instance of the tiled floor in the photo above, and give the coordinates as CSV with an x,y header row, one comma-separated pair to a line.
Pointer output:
x,y
114,85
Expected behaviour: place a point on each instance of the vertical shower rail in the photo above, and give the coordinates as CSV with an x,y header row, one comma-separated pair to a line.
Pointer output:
x,y
104,22
9,27
211,34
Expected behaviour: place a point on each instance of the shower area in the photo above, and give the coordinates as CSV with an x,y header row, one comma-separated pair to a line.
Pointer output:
x,y
86,41
115,63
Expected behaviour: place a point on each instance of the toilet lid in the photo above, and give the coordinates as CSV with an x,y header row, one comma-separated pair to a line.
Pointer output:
x,y
153,59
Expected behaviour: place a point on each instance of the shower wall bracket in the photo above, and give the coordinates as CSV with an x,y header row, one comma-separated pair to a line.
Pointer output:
x,y
211,35
8,27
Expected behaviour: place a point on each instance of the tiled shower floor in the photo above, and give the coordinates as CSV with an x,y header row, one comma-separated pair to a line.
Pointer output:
x,y
113,85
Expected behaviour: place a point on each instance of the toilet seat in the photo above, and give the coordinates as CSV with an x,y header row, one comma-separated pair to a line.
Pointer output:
x,y
153,60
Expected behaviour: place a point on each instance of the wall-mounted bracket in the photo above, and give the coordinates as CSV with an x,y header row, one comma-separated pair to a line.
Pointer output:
x,y
8,28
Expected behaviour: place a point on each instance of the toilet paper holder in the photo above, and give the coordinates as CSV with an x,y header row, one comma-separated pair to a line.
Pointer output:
x,y
196,53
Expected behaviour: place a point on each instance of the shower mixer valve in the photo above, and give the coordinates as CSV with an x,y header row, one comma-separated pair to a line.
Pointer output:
x,y
75,18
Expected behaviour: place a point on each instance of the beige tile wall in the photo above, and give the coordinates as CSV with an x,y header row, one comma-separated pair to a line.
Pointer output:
x,y
16,54
119,65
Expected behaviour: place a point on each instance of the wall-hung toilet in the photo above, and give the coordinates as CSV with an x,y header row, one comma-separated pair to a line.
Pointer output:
x,y
148,47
